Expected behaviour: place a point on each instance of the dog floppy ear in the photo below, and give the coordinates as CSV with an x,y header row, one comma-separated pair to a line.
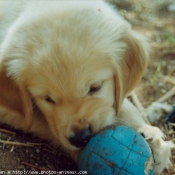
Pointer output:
x,y
129,69
14,97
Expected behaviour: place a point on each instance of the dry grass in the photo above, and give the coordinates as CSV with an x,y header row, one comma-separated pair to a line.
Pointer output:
x,y
153,20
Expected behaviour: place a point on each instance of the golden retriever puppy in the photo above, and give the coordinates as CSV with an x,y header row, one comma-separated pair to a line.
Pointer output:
x,y
66,68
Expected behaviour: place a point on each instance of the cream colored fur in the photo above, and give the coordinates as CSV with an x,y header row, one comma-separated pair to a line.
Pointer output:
x,y
52,53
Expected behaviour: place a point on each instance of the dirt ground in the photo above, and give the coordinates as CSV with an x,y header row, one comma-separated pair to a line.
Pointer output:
x,y
152,18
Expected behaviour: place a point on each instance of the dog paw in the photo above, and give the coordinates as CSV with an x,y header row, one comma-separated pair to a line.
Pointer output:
x,y
161,149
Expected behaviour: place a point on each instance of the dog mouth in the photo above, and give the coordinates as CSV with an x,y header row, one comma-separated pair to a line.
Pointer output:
x,y
81,138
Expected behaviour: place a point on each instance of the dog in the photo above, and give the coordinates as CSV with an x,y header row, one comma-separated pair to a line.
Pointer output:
x,y
66,68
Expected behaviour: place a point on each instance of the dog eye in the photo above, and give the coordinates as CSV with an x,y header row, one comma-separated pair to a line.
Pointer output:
x,y
48,99
94,89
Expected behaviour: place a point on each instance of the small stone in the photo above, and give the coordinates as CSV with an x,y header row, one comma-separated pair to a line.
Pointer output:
x,y
37,151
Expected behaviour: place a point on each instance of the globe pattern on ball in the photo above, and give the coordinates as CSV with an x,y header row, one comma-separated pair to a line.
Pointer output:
x,y
117,150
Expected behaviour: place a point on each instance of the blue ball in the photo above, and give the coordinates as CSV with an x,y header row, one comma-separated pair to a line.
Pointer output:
x,y
117,151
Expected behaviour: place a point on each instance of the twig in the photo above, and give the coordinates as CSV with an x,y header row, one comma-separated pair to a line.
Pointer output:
x,y
170,79
7,131
19,143
171,132
34,166
139,106
168,95
171,124
136,101
12,148
34,144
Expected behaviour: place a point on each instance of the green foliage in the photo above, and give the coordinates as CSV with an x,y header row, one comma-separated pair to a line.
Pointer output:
x,y
170,39
157,73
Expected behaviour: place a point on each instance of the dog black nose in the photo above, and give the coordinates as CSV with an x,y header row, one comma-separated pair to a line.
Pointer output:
x,y
81,138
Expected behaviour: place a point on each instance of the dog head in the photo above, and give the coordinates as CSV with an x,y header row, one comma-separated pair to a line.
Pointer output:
x,y
78,71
